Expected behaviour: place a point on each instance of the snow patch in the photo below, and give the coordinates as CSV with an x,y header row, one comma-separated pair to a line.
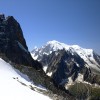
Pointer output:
x,y
79,78
45,68
45,53
34,57
70,82
50,52
49,74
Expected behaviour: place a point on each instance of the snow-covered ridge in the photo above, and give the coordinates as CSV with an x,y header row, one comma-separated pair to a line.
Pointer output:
x,y
12,89
85,54
55,46
58,45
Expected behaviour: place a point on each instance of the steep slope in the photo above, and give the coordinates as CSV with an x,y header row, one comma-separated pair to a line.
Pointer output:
x,y
13,44
12,89
13,50
68,63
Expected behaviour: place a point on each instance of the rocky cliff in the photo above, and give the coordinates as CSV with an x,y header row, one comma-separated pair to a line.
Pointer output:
x,y
13,44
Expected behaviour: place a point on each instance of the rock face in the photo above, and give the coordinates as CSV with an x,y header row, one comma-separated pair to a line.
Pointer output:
x,y
13,44
67,64
13,49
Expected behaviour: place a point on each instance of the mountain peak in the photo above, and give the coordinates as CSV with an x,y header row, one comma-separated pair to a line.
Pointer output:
x,y
53,41
54,46
66,46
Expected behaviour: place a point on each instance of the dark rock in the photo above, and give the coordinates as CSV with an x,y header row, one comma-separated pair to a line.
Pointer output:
x,y
13,44
2,17
62,66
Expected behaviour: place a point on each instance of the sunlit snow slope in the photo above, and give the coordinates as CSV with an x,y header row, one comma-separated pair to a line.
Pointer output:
x,y
11,89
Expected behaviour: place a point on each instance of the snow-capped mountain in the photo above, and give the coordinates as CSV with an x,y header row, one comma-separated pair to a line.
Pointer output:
x,y
92,59
68,63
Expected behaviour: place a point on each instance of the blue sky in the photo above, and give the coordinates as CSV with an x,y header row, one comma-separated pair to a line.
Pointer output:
x,y
68,21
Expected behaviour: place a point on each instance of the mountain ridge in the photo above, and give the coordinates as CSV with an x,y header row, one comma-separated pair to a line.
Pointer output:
x,y
68,63
86,54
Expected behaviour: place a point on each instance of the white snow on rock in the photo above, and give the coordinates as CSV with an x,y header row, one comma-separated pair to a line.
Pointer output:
x,y
49,74
85,54
70,82
57,45
11,89
79,78
45,68
34,57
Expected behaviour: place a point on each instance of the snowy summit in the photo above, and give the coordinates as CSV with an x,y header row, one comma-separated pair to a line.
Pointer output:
x,y
86,54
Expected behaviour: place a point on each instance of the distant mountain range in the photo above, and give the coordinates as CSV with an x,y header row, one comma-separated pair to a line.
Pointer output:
x,y
67,64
